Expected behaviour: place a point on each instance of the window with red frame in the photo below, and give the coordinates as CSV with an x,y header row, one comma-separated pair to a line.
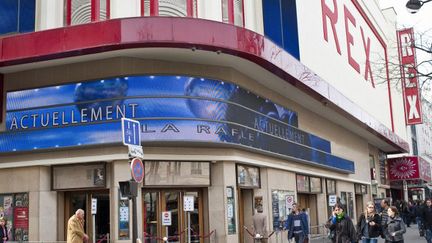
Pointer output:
x,y
233,12
86,11
176,8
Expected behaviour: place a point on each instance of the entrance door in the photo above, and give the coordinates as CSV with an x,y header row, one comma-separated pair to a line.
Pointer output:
x,y
245,199
359,204
82,200
157,201
309,203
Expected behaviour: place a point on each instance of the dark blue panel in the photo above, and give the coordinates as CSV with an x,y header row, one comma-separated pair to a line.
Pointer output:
x,y
170,108
290,31
8,16
27,16
273,21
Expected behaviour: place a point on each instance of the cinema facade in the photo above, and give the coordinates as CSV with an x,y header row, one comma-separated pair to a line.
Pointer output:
x,y
235,115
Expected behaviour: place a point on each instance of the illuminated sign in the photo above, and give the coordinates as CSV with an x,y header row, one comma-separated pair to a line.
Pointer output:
x,y
169,108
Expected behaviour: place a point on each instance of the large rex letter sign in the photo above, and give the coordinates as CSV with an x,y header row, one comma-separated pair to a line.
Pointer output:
x,y
411,94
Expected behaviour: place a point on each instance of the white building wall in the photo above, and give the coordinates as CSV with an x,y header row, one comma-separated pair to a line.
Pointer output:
x,y
353,31
49,14
125,8
253,14
211,10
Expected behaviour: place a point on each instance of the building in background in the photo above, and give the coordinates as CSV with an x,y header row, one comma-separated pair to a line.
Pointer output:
x,y
241,104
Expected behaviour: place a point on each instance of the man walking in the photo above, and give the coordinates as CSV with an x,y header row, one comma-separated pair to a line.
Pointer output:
x,y
75,228
427,220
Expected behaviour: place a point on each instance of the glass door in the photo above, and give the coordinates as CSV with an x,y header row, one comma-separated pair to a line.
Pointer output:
x,y
157,201
82,200
151,216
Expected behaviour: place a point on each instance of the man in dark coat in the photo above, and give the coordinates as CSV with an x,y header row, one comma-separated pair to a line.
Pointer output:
x,y
385,204
427,220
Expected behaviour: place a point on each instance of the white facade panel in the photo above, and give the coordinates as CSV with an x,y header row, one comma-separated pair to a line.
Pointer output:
x,y
49,14
125,8
346,48
211,10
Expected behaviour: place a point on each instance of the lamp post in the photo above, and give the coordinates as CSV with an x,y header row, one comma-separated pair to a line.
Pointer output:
x,y
413,6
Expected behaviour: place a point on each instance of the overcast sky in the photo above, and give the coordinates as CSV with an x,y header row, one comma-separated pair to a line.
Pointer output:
x,y
422,23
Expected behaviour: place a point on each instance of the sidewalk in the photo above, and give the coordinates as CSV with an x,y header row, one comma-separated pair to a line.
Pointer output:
x,y
411,236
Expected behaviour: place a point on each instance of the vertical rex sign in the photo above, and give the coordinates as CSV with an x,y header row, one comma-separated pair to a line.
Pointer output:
x,y
409,77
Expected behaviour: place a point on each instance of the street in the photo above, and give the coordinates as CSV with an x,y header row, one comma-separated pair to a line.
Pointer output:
x,y
411,236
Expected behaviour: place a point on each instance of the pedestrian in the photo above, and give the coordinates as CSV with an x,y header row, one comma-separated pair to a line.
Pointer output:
x,y
369,225
3,230
419,211
427,220
395,227
260,225
342,225
75,228
297,225
385,204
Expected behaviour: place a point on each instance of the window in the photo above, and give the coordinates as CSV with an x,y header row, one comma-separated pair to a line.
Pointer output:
x,y
174,8
331,187
86,11
17,16
233,12
15,209
308,184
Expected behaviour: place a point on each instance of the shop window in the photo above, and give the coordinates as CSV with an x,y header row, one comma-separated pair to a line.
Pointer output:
x,y
281,207
86,11
173,8
308,184
233,12
331,193
17,16
348,203
15,209
248,176
177,173
360,189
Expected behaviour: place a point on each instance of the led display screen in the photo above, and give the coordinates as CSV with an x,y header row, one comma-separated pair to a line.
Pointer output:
x,y
169,108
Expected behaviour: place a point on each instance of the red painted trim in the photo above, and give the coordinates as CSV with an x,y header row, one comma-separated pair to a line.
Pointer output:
x,y
389,92
142,8
189,8
95,10
196,9
1,96
381,40
154,7
230,4
116,34
68,12
108,9
243,13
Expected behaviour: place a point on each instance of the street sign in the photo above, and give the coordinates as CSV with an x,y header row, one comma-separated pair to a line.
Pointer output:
x,y
166,218
332,200
289,200
131,132
188,203
94,206
137,170
136,151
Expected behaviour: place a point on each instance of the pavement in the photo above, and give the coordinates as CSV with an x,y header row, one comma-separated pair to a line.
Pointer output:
x,y
411,236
